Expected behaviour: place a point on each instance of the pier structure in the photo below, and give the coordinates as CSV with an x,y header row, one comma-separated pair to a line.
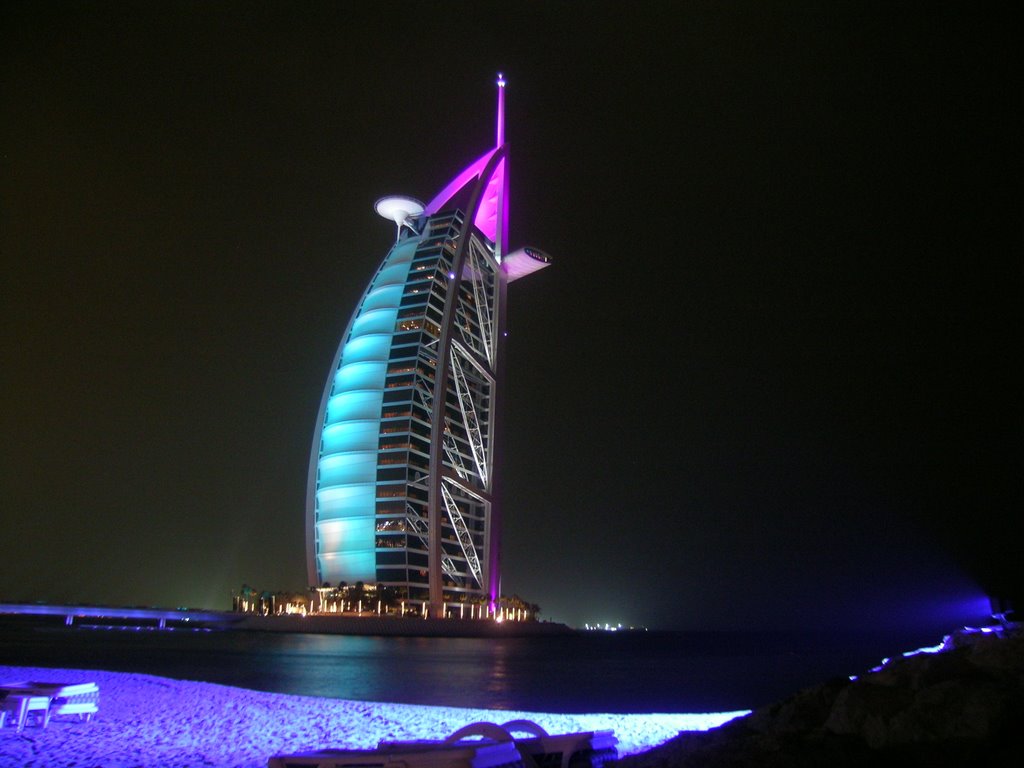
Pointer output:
x,y
133,618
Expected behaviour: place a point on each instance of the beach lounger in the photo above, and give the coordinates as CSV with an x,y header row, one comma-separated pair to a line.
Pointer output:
x,y
19,705
540,749
43,701
476,754
477,745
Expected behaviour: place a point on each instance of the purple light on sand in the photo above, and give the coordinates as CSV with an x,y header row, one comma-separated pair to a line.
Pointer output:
x,y
151,722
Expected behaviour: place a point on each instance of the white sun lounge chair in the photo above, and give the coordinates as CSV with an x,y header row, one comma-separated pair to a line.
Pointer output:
x,y
477,745
408,755
19,705
43,701
540,749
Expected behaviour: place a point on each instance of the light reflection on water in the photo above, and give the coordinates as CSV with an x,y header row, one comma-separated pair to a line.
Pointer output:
x,y
602,672
498,684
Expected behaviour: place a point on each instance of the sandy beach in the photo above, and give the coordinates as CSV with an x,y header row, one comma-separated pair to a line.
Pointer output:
x,y
145,720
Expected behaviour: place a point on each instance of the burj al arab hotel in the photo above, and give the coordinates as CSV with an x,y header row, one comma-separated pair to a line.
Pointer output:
x,y
403,478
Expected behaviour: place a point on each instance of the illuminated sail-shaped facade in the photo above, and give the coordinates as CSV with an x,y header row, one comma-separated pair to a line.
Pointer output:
x,y
402,479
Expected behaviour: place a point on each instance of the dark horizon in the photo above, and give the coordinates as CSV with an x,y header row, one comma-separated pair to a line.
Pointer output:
x,y
770,379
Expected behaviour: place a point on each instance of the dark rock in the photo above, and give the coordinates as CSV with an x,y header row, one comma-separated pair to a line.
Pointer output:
x,y
803,711
970,709
866,709
961,706
1004,656
923,669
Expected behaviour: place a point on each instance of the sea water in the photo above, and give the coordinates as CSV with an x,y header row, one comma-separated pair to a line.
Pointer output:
x,y
614,672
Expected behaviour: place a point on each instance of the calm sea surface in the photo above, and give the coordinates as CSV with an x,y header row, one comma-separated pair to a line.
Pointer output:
x,y
593,672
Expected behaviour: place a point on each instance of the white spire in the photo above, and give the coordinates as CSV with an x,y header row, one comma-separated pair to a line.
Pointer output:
x,y
501,109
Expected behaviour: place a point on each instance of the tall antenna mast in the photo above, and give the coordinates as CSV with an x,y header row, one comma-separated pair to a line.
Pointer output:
x,y
501,109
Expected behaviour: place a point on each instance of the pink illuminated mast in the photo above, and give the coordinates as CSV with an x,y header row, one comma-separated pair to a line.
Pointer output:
x,y
501,180
488,176
501,110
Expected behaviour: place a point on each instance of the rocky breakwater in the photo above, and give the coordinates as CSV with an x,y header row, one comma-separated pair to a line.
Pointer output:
x,y
953,705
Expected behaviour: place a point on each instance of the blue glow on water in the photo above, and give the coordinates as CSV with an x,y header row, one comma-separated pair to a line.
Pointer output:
x,y
590,672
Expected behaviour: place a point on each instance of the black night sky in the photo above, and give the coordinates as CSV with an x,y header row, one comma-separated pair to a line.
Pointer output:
x,y
771,380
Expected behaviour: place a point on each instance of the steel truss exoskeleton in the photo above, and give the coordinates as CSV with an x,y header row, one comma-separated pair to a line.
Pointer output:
x,y
475,292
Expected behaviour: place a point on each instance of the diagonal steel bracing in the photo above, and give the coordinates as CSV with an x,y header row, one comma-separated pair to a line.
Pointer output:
x,y
451,449
469,418
481,297
463,534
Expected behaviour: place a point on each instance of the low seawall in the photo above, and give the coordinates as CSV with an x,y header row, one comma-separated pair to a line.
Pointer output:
x,y
397,627
75,616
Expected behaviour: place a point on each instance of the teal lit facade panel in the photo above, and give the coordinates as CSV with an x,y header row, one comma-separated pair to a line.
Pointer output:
x,y
353,377
387,296
350,501
348,468
354,406
393,274
372,347
344,503
376,321
350,435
